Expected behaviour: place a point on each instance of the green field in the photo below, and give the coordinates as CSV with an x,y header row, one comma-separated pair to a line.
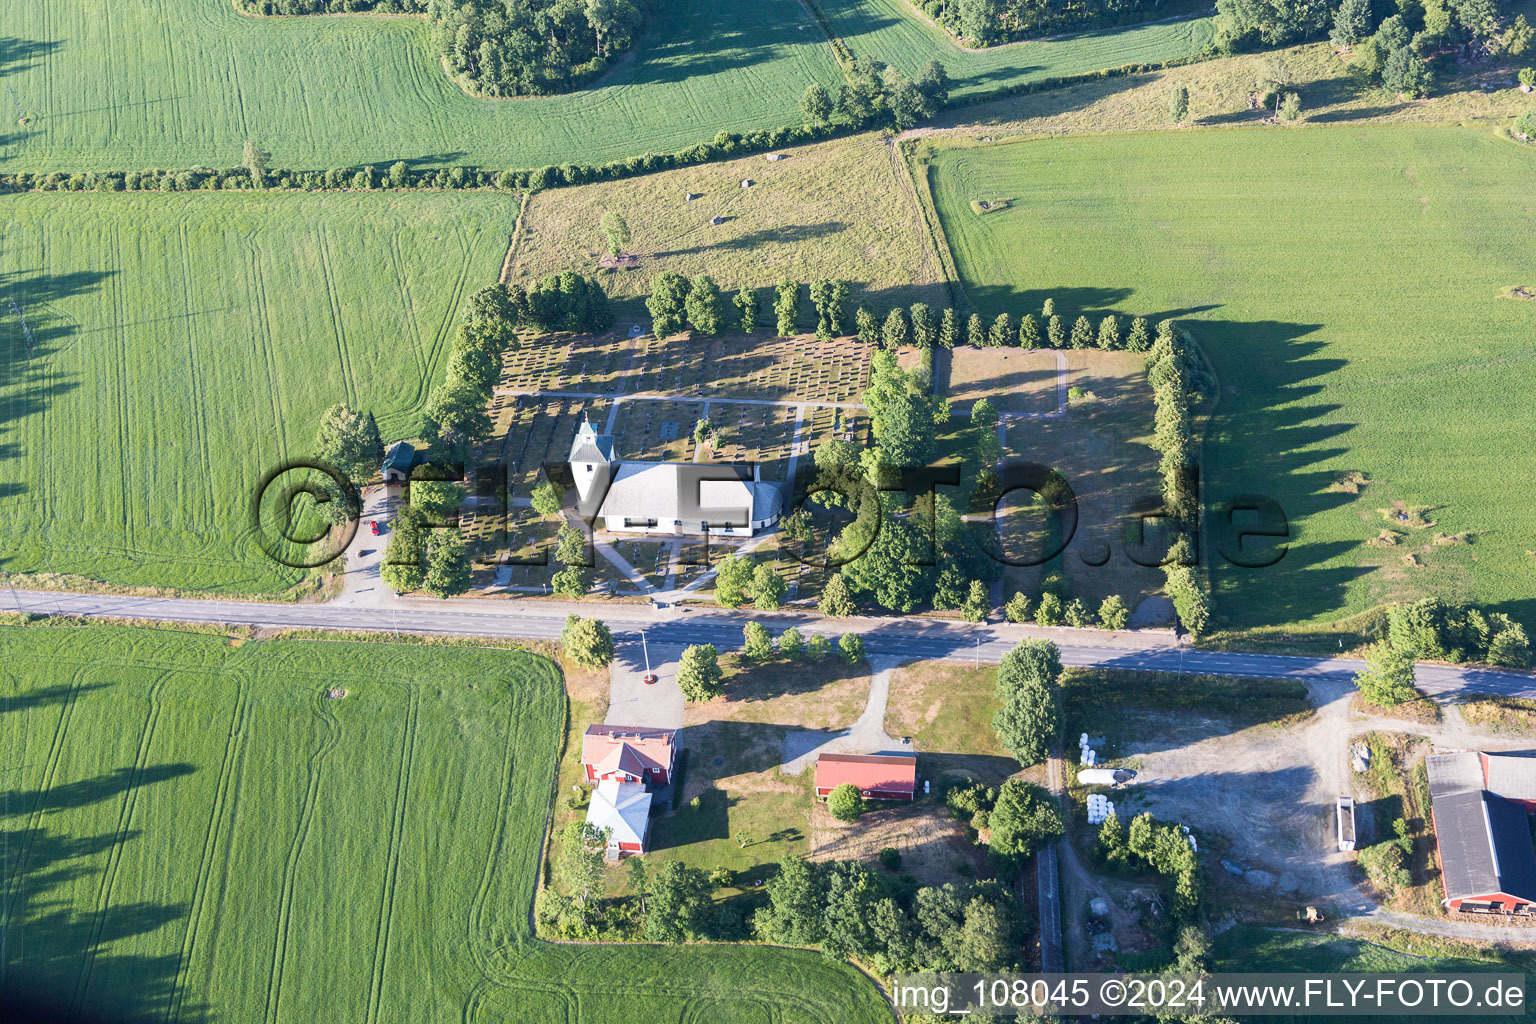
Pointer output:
x,y
186,344
892,31
178,83
193,832
1345,283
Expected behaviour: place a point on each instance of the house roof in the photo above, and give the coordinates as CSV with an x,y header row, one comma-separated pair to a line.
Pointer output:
x,y
1485,846
590,446
401,455
631,748
1510,774
867,771
657,490
1453,773
622,807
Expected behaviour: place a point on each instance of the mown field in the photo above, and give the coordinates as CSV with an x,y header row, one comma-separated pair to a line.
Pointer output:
x,y
187,344
838,209
1346,284
194,832
180,83
890,30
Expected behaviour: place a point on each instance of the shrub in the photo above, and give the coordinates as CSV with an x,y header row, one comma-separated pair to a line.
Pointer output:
x,y
1049,612
817,646
890,858
1113,613
845,803
1018,607
851,645
791,643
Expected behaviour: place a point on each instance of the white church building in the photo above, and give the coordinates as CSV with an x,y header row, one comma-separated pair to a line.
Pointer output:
x,y
669,497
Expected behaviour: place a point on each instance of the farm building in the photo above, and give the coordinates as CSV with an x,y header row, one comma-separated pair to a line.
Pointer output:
x,y
629,754
398,462
668,497
623,810
1487,860
876,776
1512,775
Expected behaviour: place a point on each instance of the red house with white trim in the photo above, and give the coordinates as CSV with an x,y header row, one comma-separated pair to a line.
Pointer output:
x,y
876,776
629,753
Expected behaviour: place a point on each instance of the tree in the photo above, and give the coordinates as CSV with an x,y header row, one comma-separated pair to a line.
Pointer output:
x,y
1076,613
1029,331
1082,333
768,588
1030,716
977,603
792,643
933,82
1510,648
668,303
448,572
1290,106
1049,611
757,643
866,325
254,161
894,334
616,229
705,305
573,581
975,331
949,329
588,642
401,570
786,307
851,646
578,865
746,310
835,600
845,803
698,673
1388,677
1024,820
733,580
1001,331
1407,73
1178,104
1018,607
1351,22
1113,614
459,409
546,498
679,905
906,103
922,325
1048,308
1109,332
795,914
1140,338
816,104
1055,333
817,646
349,441
1190,600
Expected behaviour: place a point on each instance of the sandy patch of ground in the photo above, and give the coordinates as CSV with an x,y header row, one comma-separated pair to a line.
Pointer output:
x,y
930,840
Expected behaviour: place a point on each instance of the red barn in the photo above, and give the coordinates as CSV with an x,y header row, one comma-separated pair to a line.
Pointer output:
x,y
876,776
1482,835
629,753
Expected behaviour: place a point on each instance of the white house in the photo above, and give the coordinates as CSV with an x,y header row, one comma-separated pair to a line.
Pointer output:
x,y
669,497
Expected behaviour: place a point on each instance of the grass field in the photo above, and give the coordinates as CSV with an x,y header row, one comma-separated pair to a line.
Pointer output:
x,y
892,31
188,344
1345,284
838,209
184,82
193,832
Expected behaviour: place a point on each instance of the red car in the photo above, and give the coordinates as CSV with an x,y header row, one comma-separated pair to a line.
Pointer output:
x,y
373,527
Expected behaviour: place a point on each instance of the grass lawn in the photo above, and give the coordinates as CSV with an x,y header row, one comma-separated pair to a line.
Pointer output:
x,y
894,32
1377,951
194,832
187,344
184,82
947,710
1364,260
838,209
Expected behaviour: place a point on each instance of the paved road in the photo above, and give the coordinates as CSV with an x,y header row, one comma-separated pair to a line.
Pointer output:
x,y
896,637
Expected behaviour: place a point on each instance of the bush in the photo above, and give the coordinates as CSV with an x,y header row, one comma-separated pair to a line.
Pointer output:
x,y
851,646
845,803
1018,607
1113,613
890,858
1049,612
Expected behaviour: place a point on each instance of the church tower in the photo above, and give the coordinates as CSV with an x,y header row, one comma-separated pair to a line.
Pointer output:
x,y
591,460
